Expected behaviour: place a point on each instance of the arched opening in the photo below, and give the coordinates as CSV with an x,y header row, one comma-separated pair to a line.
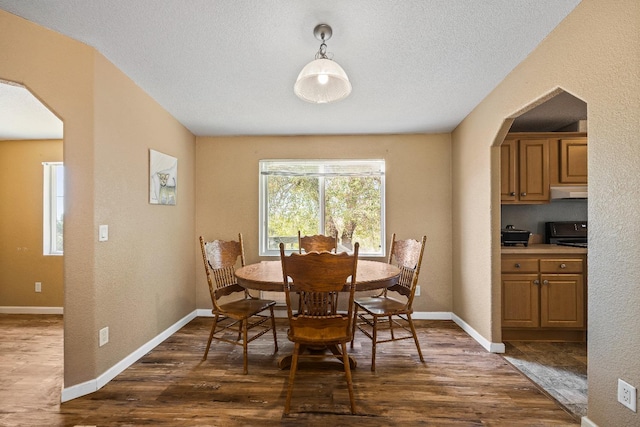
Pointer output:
x,y
543,312
31,228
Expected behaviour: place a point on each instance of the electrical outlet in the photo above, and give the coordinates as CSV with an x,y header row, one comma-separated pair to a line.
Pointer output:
x,y
627,394
38,286
417,291
104,336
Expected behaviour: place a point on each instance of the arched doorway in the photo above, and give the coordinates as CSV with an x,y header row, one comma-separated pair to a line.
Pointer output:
x,y
553,359
31,272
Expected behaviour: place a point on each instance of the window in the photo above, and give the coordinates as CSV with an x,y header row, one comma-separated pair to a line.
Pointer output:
x,y
53,208
322,197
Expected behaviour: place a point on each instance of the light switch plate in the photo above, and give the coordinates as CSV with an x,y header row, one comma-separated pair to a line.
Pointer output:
x,y
103,234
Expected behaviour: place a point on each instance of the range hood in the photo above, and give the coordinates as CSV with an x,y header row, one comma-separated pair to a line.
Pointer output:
x,y
575,192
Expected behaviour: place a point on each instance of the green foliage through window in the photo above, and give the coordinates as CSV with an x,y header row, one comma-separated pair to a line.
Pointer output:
x,y
343,197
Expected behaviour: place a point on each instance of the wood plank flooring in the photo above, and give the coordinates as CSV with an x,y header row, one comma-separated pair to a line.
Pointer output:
x,y
459,384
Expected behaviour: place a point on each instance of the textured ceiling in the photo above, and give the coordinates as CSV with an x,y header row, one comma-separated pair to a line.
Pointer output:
x,y
225,67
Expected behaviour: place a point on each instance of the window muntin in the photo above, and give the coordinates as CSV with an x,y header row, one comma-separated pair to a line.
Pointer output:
x,y
53,208
322,197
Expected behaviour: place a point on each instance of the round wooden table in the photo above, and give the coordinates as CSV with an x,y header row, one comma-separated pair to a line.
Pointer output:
x,y
267,276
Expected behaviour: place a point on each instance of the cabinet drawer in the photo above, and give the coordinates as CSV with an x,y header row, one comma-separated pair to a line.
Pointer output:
x,y
519,265
561,266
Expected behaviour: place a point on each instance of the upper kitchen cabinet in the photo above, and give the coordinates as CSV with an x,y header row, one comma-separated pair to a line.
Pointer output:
x,y
524,171
571,161
533,162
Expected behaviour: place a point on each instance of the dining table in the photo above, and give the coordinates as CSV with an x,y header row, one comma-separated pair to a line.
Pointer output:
x,y
267,276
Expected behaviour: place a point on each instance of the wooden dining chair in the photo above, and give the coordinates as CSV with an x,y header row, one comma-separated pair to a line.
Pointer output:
x,y
240,312
394,306
317,242
320,278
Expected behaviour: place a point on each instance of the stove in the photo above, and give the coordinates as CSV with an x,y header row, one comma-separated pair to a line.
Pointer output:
x,y
566,233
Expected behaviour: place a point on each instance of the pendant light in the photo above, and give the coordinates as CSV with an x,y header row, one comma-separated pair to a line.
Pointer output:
x,y
322,80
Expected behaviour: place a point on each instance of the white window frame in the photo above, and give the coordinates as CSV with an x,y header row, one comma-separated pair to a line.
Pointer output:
x,y
376,168
50,208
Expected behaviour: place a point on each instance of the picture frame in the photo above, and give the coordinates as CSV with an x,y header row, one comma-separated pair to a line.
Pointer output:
x,y
163,178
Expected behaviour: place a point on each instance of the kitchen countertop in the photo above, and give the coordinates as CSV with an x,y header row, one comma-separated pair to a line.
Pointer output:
x,y
542,248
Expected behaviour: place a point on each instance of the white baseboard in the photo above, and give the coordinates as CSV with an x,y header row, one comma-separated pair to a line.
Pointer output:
x,y
431,315
30,310
492,347
90,386
586,422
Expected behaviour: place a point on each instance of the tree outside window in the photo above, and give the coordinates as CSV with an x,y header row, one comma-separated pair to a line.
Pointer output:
x,y
332,197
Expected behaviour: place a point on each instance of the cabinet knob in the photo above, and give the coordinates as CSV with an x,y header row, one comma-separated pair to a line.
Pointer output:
x,y
545,282
513,193
517,265
523,194
563,265
536,282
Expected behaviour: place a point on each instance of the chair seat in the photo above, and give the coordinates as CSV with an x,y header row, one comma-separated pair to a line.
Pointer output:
x,y
244,308
382,306
328,330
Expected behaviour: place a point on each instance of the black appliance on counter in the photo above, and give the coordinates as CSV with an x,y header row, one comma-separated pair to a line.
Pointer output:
x,y
566,233
510,236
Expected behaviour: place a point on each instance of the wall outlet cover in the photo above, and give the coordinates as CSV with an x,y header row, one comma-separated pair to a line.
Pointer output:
x,y
627,395
104,336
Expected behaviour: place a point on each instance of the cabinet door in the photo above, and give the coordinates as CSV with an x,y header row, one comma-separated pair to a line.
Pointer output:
x,y
534,170
562,303
573,161
508,170
520,301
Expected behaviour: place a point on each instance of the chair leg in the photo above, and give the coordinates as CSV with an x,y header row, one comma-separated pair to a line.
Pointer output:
x,y
273,326
391,327
213,329
353,326
415,337
374,333
244,346
292,375
347,373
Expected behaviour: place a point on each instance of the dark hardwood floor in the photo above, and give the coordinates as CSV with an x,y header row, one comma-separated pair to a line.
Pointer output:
x,y
459,384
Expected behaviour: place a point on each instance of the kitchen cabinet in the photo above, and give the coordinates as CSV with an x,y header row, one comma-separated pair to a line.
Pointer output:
x,y
573,161
543,297
531,163
524,170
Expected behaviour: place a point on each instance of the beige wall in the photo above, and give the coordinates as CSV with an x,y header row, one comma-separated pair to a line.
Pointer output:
x,y
144,273
141,280
595,55
418,194
22,262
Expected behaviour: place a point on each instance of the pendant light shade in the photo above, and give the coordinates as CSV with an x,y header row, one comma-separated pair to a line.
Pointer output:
x,y
322,80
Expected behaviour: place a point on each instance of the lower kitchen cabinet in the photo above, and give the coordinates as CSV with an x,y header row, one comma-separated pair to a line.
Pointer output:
x,y
543,298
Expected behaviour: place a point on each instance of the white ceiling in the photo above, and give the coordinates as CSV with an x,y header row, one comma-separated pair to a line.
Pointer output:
x,y
225,67
23,116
